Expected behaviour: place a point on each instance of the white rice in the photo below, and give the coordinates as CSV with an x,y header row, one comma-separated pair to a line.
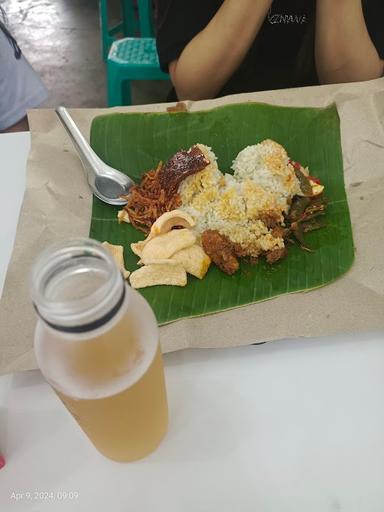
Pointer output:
x,y
263,183
267,165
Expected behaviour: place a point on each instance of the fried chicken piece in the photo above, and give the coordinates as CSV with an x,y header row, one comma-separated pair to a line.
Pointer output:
x,y
276,255
239,251
221,251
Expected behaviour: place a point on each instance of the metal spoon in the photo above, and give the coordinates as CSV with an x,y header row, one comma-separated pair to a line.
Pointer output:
x,y
107,183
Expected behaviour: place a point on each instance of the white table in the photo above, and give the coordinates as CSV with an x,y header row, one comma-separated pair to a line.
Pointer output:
x,y
289,426
14,149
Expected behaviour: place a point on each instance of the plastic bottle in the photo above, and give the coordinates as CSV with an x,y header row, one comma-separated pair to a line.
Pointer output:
x,y
97,344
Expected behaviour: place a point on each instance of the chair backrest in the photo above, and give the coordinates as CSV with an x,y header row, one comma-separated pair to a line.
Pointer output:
x,y
137,19
130,21
145,8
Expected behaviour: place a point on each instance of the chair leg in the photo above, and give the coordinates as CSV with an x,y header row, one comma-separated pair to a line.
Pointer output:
x,y
103,20
118,89
127,93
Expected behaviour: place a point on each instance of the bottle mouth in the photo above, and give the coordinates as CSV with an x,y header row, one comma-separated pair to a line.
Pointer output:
x,y
76,285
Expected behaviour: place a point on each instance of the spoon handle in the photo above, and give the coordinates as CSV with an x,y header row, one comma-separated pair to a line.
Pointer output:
x,y
91,162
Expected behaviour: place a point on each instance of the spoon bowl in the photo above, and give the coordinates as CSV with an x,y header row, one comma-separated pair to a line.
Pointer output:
x,y
107,183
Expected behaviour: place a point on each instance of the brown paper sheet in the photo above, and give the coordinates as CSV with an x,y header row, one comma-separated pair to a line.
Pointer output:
x,y
57,205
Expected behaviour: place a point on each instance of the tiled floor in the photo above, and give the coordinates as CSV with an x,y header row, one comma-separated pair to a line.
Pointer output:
x,y
61,40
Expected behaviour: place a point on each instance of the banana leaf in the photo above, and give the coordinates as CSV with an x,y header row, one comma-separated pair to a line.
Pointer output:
x,y
136,142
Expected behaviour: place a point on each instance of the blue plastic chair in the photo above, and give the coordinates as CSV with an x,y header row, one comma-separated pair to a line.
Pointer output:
x,y
133,58
128,26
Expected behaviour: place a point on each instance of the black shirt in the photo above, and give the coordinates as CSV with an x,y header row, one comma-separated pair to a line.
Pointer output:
x,y
282,54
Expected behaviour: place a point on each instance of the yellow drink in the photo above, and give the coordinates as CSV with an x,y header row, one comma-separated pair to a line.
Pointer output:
x,y
111,380
96,343
130,424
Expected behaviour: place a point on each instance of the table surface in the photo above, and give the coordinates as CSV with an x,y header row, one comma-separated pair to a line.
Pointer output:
x,y
14,149
293,425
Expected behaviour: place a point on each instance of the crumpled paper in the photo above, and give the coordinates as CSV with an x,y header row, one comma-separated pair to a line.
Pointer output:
x,y
57,205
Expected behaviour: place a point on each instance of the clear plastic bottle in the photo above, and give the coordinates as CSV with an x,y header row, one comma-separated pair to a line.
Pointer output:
x,y
97,344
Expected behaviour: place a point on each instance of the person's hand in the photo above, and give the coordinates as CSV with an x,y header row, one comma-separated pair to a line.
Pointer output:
x,y
344,50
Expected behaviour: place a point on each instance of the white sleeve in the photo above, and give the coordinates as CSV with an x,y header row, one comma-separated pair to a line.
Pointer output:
x,y
20,87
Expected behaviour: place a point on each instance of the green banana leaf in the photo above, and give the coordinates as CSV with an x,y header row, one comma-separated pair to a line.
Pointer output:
x,y
135,143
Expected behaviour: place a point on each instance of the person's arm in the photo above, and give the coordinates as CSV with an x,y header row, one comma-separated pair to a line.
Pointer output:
x,y
214,54
344,50
20,87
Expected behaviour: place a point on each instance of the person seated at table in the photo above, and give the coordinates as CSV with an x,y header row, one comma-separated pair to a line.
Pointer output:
x,y
216,47
20,87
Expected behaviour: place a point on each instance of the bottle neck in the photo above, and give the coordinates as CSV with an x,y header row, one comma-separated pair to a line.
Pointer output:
x,y
76,286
